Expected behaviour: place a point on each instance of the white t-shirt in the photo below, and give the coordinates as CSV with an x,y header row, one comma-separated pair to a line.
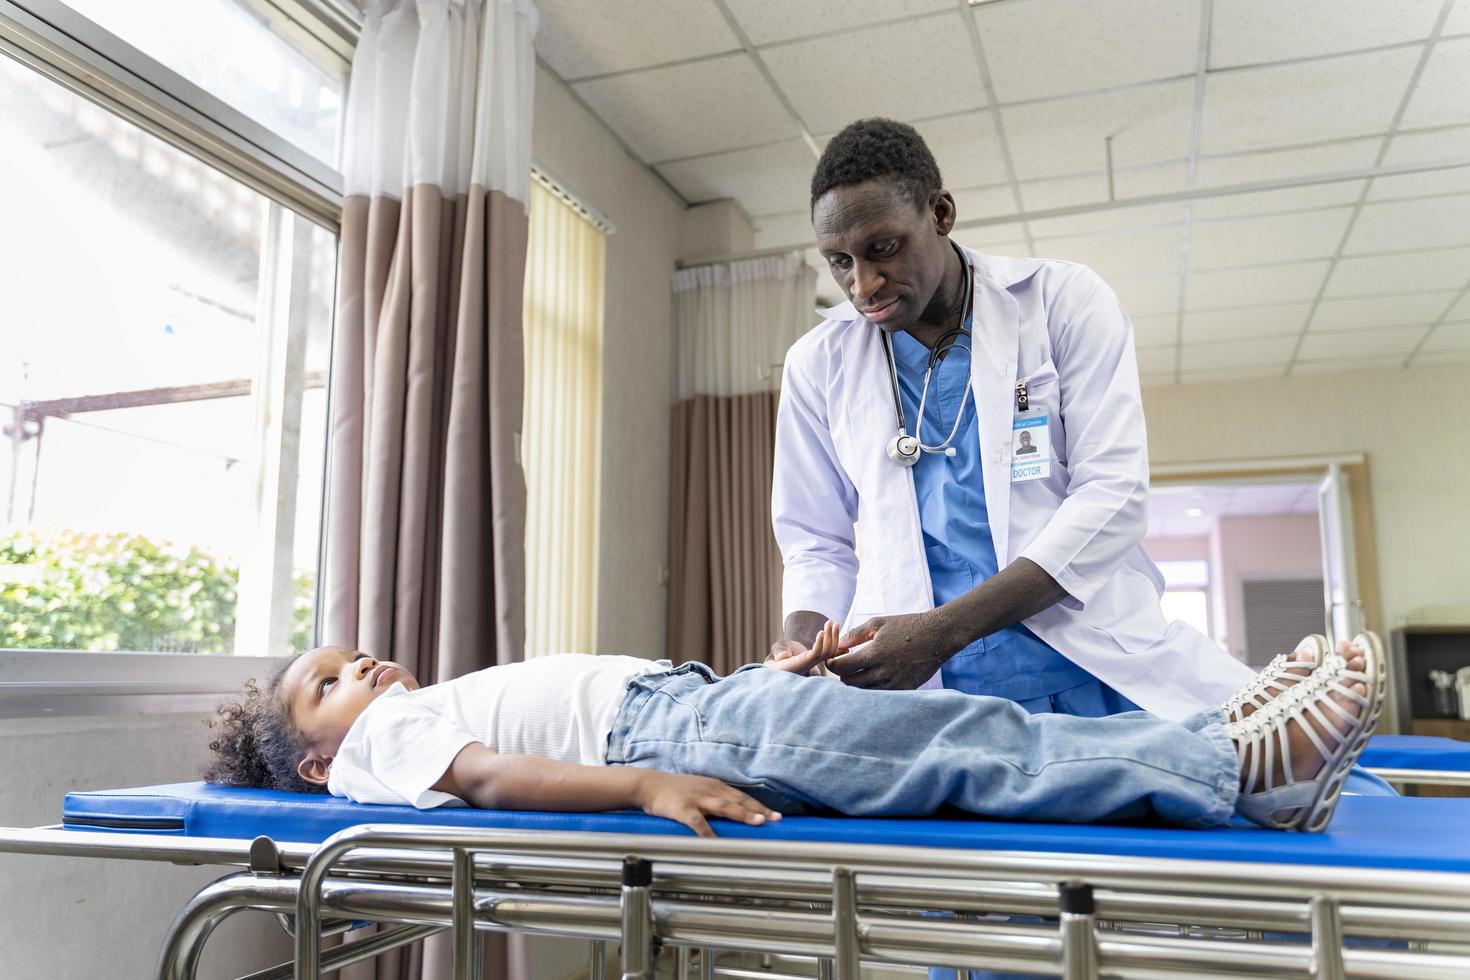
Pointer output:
x,y
560,707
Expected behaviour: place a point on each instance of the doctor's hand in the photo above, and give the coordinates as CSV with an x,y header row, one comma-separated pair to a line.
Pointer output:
x,y
902,652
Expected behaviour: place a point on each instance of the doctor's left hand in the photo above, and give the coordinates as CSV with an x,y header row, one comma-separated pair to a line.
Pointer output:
x,y
902,652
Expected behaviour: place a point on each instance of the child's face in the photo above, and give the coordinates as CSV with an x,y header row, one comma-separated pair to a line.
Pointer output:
x,y
327,689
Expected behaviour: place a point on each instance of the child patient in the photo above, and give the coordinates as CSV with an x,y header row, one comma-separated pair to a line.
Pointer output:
x,y
577,732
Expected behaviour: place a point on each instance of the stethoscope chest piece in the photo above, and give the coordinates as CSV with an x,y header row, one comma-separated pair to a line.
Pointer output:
x,y
903,449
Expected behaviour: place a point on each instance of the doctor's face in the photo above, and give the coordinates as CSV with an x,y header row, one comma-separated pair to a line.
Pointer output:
x,y
888,255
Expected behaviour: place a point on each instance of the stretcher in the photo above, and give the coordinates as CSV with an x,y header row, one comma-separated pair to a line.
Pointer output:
x,y
1419,759
1121,900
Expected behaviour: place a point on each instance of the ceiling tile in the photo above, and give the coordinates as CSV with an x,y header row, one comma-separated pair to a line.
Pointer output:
x,y
1206,375
1459,19
1275,238
1410,309
1245,323
1449,337
986,237
1255,31
966,149
1155,330
1263,165
785,228
1359,343
1148,125
1155,360
1342,365
1063,192
1147,295
1159,178
766,21
1055,47
682,110
1441,357
589,37
1429,145
1111,219
1442,96
1354,95
1431,183
1398,225
1271,351
1227,288
1403,273
1272,202
765,179
984,202
1120,253
950,82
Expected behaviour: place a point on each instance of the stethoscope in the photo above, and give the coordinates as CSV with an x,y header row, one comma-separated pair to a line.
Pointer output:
x,y
905,449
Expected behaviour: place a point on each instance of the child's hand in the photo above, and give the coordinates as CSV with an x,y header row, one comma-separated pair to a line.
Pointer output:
x,y
690,799
800,661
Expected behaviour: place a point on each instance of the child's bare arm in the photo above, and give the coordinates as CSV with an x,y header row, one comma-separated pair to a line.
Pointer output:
x,y
487,779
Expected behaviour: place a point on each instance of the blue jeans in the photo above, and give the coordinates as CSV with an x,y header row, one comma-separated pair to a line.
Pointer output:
x,y
809,745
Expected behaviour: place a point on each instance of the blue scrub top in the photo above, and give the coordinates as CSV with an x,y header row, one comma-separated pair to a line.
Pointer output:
x,y
1014,663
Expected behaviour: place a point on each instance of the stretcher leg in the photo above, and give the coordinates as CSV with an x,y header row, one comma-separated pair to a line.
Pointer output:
x,y
844,924
1326,940
639,961
469,948
1079,935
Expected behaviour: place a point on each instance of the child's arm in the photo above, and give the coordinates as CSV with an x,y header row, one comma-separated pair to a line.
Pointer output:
x,y
811,661
487,779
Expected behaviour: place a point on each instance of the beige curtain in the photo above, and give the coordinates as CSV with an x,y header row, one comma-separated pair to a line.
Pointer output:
x,y
563,445
734,323
425,525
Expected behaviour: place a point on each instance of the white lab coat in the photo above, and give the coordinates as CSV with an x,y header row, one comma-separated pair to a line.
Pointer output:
x,y
1058,326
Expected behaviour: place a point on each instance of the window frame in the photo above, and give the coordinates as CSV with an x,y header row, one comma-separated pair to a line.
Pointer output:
x,y
61,45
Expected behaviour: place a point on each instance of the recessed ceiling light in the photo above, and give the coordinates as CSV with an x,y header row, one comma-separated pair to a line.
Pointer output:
x,y
1193,512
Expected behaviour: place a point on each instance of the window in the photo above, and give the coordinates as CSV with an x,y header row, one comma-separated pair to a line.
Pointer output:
x,y
164,340
249,54
1186,592
561,442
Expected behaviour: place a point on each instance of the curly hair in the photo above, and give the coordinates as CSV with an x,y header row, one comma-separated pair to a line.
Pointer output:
x,y
878,147
256,741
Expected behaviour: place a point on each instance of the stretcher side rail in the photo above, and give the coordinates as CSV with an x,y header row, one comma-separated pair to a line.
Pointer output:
x,y
560,882
1328,886
692,925
1423,777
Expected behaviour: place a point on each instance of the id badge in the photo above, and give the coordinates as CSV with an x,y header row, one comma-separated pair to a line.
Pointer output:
x,y
1030,446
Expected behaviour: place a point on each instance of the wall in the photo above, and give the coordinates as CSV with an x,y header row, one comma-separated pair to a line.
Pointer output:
x,y
1418,485
85,919
1177,548
1275,546
638,362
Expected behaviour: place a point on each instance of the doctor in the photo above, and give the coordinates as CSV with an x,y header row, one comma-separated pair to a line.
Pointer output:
x,y
902,502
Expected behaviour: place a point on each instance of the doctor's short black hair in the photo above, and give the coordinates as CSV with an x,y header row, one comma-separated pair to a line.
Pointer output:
x,y
877,147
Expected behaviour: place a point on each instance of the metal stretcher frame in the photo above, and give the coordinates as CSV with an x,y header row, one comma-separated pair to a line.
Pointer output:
x,y
843,904
1419,760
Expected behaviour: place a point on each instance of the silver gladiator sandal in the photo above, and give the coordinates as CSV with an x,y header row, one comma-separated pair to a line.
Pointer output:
x,y
1270,796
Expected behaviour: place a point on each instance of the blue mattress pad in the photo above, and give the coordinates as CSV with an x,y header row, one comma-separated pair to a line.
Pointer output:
x,y
1416,752
1426,834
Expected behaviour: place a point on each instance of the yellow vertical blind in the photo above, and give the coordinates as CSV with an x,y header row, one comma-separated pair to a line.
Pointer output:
x,y
561,439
